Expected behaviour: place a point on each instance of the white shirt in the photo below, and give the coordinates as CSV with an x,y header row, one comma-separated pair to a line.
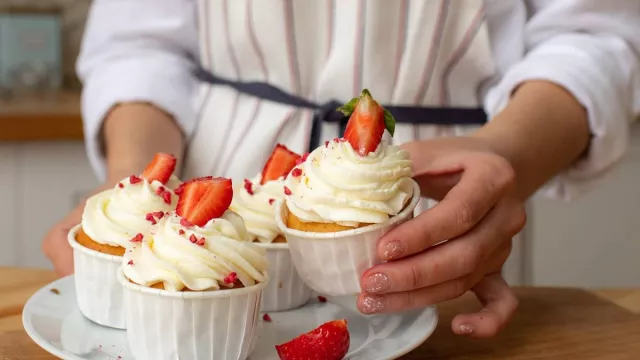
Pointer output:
x,y
458,53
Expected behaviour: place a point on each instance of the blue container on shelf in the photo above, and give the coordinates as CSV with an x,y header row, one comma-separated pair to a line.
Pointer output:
x,y
30,52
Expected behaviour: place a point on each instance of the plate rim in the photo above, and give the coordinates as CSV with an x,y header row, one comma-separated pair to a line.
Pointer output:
x,y
407,349
60,353
33,334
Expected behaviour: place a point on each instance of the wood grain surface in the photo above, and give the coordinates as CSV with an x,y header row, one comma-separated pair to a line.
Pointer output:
x,y
551,323
53,117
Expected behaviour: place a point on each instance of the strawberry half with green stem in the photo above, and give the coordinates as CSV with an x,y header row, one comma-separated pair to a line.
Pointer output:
x,y
367,123
160,168
203,199
329,341
280,163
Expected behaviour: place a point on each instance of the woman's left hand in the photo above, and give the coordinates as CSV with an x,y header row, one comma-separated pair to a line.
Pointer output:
x,y
458,245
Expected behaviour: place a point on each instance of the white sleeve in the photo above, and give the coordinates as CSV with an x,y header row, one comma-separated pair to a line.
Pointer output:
x,y
590,47
137,50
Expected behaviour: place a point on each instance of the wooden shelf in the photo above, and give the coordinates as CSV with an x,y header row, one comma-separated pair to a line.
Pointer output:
x,y
55,117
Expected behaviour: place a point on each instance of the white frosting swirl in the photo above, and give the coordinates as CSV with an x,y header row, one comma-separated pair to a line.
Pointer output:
x,y
257,209
113,217
169,256
339,186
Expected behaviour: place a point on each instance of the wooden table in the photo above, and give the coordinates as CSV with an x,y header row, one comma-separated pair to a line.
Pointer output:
x,y
551,324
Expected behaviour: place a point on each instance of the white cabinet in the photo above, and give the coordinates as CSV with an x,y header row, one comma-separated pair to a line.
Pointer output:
x,y
593,241
9,200
40,183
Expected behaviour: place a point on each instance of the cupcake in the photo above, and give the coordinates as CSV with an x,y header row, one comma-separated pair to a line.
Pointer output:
x,y
255,201
111,220
192,286
343,197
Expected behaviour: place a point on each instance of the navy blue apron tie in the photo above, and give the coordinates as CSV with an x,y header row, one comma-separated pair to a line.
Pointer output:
x,y
327,112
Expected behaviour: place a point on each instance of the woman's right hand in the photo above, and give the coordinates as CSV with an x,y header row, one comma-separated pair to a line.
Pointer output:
x,y
55,245
129,145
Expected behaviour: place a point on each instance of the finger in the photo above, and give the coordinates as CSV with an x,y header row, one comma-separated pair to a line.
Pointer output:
x,y
451,260
499,305
497,260
63,261
407,300
485,179
55,245
436,186
392,302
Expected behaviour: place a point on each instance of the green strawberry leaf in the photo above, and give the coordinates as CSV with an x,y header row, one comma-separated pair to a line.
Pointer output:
x,y
389,122
365,92
347,109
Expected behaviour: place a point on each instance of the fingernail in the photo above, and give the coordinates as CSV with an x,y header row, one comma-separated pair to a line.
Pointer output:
x,y
377,282
372,304
465,329
392,250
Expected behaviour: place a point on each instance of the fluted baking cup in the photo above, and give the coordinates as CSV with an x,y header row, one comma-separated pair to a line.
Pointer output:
x,y
333,263
217,325
98,293
286,289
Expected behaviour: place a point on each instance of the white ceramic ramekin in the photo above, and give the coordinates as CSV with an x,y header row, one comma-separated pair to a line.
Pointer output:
x,y
97,290
217,325
286,289
332,263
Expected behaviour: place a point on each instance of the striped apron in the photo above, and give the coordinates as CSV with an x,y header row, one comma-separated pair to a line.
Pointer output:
x,y
275,70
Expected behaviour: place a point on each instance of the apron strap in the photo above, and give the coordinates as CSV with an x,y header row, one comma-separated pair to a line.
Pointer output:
x,y
327,112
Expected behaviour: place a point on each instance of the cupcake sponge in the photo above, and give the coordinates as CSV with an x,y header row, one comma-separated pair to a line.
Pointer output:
x,y
293,222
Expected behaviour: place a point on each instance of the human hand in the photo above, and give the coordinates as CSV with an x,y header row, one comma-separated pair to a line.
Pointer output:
x,y
55,245
458,245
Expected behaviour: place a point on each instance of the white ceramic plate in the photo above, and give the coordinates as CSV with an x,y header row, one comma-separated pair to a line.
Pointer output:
x,y
52,319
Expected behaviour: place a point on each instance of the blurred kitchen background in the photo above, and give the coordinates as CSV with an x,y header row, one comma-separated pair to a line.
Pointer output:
x,y
593,242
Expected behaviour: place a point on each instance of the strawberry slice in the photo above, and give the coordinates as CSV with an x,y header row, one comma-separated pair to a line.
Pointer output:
x,y
329,341
160,168
367,123
281,161
204,199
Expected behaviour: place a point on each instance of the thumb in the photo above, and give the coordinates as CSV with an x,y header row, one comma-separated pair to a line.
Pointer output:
x,y
56,247
436,186
438,165
63,259
434,183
